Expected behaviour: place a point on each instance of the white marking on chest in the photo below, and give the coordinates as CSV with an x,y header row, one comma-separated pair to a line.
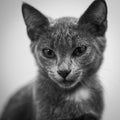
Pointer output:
x,y
79,95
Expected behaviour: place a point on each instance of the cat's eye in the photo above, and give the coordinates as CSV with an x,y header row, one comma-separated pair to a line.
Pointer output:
x,y
79,51
48,53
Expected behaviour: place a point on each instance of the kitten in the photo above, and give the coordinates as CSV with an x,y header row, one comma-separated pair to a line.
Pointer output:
x,y
68,52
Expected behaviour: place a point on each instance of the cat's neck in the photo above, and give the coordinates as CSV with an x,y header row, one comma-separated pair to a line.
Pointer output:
x,y
50,97
46,88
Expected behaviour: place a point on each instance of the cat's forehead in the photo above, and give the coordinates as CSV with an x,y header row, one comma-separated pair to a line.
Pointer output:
x,y
64,34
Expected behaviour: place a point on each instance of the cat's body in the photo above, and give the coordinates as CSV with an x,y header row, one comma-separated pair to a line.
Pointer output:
x,y
55,104
68,52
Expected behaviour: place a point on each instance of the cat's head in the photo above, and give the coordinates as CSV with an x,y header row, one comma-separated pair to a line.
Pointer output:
x,y
67,49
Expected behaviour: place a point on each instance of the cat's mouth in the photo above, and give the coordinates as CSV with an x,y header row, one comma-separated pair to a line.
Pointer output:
x,y
70,82
67,84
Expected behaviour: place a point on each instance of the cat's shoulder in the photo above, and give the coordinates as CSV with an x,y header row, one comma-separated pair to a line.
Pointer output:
x,y
19,106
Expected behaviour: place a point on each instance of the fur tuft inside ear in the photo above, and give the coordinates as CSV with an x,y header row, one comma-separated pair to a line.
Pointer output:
x,y
95,17
34,20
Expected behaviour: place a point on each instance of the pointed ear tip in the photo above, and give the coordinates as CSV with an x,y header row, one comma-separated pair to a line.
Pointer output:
x,y
103,4
103,1
25,5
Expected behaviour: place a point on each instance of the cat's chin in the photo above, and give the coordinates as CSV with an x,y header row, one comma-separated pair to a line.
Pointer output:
x,y
68,83
65,84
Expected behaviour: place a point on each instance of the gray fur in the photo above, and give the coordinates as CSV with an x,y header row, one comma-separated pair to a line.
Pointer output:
x,y
46,98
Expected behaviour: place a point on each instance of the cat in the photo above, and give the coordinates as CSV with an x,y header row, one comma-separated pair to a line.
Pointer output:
x,y
68,52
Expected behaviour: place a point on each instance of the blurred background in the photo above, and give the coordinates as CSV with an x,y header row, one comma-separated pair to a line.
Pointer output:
x,y
17,66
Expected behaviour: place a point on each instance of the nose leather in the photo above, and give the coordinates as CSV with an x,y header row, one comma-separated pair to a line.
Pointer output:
x,y
64,73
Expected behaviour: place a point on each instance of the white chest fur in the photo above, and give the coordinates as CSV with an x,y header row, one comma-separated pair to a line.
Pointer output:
x,y
79,95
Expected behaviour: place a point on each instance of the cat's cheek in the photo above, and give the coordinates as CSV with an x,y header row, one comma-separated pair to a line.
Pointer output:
x,y
42,63
54,78
45,63
41,60
87,60
75,65
52,73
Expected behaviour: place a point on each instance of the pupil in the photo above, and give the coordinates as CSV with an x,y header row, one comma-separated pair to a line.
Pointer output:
x,y
50,52
79,51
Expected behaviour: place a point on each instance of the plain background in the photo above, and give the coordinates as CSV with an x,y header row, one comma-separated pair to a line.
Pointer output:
x,y
17,65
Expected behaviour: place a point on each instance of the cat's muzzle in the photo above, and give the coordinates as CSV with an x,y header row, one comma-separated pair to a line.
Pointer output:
x,y
70,81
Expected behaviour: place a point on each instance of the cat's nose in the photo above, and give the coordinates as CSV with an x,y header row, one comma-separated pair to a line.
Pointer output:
x,y
64,73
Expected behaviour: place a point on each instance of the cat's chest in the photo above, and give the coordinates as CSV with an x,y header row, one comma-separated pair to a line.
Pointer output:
x,y
81,94
74,104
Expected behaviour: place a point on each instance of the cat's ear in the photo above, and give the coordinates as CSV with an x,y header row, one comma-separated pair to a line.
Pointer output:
x,y
95,18
35,21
